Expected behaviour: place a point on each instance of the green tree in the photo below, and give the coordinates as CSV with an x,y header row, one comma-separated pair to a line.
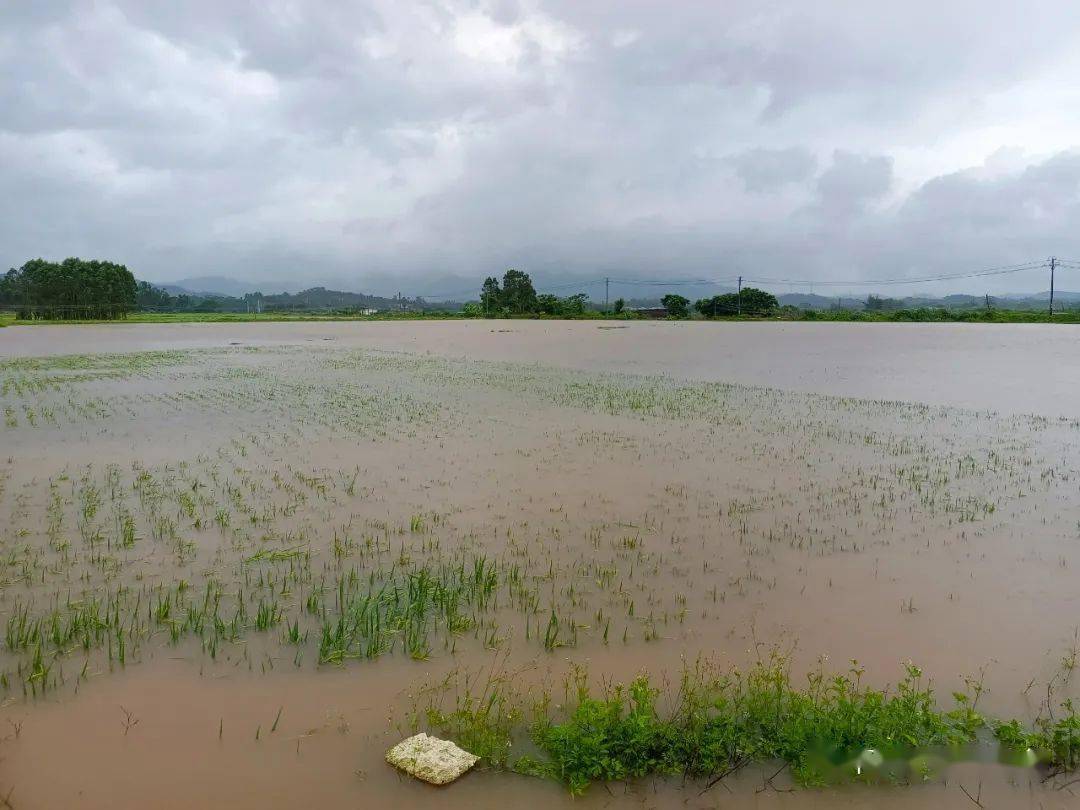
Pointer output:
x,y
547,304
620,305
73,288
754,302
678,306
573,306
875,303
147,296
518,294
758,302
491,296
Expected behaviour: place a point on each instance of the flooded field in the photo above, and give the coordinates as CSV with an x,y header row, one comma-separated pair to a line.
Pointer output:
x,y
238,562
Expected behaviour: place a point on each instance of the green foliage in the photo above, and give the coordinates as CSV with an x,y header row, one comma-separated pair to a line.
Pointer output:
x,y
941,315
518,295
570,307
491,297
876,303
483,716
369,619
1055,742
678,306
73,289
620,305
615,736
753,302
833,728
147,296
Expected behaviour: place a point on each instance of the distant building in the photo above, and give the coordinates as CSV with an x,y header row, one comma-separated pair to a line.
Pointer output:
x,y
650,312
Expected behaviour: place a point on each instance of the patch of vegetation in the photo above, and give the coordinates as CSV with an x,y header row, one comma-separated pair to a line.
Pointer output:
x,y
254,546
831,730
749,302
73,289
517,296
932,315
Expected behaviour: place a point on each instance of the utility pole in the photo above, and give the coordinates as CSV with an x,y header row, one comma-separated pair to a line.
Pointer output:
x,y
740,295
607,289
1053,262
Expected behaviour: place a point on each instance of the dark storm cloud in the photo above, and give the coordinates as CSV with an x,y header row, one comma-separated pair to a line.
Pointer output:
x,y
404,143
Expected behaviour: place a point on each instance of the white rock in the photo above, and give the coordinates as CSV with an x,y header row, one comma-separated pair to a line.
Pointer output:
x,y
435,761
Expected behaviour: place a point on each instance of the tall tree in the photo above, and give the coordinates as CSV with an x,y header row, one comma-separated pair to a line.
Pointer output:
x,y
491,296
518,294
758,302
754,302
73,288
678,306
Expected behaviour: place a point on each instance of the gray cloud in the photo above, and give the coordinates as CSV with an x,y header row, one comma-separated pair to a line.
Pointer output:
x,y
420,144
852,181
765,170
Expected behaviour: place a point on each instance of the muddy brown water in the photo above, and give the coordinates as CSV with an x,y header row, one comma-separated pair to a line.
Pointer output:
x,y
1007,367
883,493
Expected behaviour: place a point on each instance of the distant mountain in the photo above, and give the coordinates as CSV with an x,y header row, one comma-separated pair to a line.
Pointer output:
x,y
285,296
1059,295
322,298
219,285
175,297
815,301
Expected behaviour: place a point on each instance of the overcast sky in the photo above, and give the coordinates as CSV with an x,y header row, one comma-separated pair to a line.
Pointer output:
x,y
414,145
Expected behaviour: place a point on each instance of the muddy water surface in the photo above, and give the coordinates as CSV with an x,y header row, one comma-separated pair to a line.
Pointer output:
x,y
1007,367
187,525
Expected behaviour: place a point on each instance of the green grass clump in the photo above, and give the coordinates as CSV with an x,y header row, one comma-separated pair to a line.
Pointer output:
x,y
368,620
484,714
1054,741
721,723
831,730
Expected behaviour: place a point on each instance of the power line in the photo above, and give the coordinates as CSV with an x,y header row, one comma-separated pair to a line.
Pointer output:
x,y
989,271
862,282
472,290
673,282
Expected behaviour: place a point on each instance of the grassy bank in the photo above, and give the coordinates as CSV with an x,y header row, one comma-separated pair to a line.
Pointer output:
x,y
932,315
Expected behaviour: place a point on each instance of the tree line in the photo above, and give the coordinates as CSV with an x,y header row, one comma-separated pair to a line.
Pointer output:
x,y
72,289
517,296
749,301
78,289
94,290
313,299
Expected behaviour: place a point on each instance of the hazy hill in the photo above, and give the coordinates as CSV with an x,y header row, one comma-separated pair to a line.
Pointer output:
x,y
214,285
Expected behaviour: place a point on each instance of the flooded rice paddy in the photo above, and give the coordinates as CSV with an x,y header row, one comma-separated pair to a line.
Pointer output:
x,y
236,559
